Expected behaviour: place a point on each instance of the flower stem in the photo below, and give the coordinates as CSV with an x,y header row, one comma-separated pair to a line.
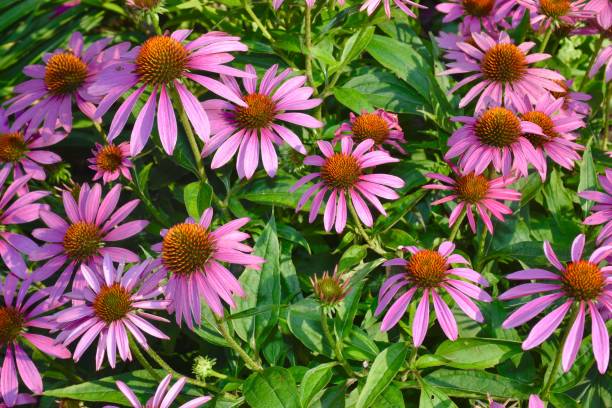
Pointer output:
x,y
373,245
598,45
250,362
247,7
190,137
546,38
308,44
482,239
606,117
142,360
453,233
335,345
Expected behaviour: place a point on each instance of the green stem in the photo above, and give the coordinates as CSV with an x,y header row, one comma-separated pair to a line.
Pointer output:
x,y
482,239
100,131
308,44
606,118
147,202
373,245
598,45
190,137
247,7
458,221
335,345
250,362
155,21
143,361
546,38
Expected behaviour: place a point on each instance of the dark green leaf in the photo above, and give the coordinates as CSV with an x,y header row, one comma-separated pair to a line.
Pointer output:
x,y
477,353
477,384
314,381
197,197
272,388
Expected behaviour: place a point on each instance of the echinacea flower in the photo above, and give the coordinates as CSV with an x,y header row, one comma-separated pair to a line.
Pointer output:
x,y
380,126
112,306
573,102
602,9
163,398
161,65
544,13
557,138
495,136
143,4
579,285
603,58
502,69
371,5
192,254
344,175
23,210
426,273
534,402
22,399
309,3
21,313
603,209
64,78
330,289
91,226
477,15
110,161
255,125
475,192
21,153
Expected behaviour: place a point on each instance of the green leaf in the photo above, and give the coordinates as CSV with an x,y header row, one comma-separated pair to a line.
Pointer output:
x,y
599,393
432,397
360,346
314,381
476,384
356,44
477,353
288,233
390,398
385,367
304,321
564,401
588,177
197,197
273,192
351,257
272,388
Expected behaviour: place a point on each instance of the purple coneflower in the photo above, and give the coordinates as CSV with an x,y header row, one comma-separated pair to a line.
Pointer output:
x,y
192,254
22,399
478,15
503,70
161,65
380,126
602,9
162,399
110,307
371,5
143,4
573,102
330,289
603,58
344,176
544,13
110,161
426,273
580,285
21,312
603,208
478,192
534,402
255,124
82,240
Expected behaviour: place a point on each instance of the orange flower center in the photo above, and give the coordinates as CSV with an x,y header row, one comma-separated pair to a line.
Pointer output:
x,y
340,171
555,8
11,324
258,114
478,8
186,248
112,303
109,158
504,63
370,126
12,147
161,60
65,73
583,280
472,188
427,268
82,241
329,288
545,122
498,127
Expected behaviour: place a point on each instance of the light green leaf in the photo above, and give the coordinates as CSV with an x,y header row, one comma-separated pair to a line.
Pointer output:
x,y
477,353
197,197
314,381
272,388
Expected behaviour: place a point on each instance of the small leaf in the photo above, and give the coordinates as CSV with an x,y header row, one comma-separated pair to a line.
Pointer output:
x,y
314,381
304,321
197,197
272,388
432,397
477,353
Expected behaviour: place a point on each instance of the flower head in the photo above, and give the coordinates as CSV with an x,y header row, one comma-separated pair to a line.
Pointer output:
x,y
143,4
344,175
602,9
330,289
475,192
544,13
110,161
192,254
371,5
603,58
161,65
603,209
256,123
477,15
380,126
574,103
92,224
427,272
20,314
163,397
22,399
580,284
503,71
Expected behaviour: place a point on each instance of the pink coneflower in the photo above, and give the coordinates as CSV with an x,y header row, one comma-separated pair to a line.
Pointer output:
x,y
23,210
82,240
602,9
371,5
573,102
478,15
110,307
495,136
110,161
21,312
65,7
503,71
160,65
603,58
543,13
534,402
161,398
192,254
581,284
143,4
255,124
344,176
426,273
557,138
380,126
21,153
603,209
22,399
478,192
65,76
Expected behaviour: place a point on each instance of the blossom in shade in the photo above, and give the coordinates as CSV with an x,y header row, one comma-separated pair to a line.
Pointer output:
x,y
22,399
580,285
602,9
65,77
475,192
557,138
255,125
371,5
344,175
22,210
603,58
160,66
430,273
192,252
603,209
92,224
330,289
503,71
573,102
112,305
495,136
110,161
544,13
20,314
380,126
163,397
143,4
477,15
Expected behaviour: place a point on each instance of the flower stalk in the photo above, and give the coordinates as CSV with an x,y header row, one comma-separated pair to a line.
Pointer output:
x,y
335,345
248,360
